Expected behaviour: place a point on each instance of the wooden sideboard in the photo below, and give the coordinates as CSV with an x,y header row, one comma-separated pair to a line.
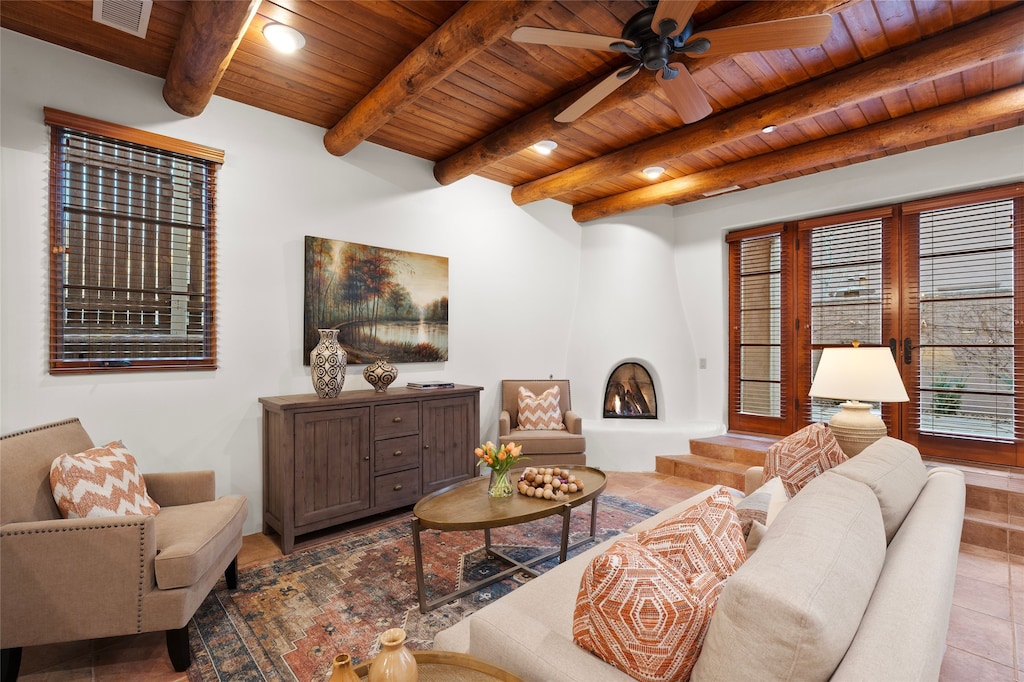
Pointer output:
x,y
328,461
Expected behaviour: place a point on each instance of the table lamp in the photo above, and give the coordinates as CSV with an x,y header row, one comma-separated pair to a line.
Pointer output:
x,y
857,374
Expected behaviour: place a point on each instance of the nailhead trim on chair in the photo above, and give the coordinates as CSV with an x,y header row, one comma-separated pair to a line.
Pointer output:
x,y
42,427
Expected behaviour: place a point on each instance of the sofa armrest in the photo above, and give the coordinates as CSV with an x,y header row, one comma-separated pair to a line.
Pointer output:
x,y
504,423
573,422
72,579
752,479
181,487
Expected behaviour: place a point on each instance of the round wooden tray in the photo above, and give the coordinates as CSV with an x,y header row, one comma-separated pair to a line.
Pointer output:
x,y
450,666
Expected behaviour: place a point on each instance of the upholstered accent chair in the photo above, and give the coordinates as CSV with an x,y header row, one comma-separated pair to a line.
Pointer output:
x,y
544,447
82,578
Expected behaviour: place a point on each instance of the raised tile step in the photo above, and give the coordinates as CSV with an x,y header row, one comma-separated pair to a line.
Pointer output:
x,y
994,531
731,447
703,469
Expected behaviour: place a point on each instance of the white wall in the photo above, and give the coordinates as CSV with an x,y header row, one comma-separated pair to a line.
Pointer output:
x,y
277,185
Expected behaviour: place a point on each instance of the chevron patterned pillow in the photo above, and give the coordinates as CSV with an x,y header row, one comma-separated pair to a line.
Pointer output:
x,y
639,612
801,456
100,482
537,412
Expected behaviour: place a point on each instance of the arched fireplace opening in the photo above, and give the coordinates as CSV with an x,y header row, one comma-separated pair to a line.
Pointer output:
x,y
630,393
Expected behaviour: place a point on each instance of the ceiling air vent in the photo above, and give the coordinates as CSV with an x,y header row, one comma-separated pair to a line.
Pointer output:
x,y
130,16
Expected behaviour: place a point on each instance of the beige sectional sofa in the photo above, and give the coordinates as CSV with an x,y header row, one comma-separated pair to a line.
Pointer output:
x,y
852,580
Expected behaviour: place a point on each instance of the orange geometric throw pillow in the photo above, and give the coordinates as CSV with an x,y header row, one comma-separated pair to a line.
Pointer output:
x,y
639,612
100,482
704,538
799,457
540,412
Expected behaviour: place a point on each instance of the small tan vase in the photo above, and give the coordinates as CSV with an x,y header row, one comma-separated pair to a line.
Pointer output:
x,y
394,663
342,670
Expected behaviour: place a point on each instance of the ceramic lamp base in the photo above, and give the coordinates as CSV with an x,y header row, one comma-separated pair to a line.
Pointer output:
x,y
855,427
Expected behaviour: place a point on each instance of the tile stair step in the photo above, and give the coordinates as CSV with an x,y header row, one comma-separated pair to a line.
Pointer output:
x,y
708,470
731,447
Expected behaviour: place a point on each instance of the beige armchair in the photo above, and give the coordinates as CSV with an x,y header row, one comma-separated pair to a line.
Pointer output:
x,y
543,447
70,579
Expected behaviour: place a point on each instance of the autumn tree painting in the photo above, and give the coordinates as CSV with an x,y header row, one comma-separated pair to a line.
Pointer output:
x,y
382,302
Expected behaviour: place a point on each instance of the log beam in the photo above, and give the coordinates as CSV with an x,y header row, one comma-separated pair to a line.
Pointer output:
x,y
540,124
209,37
983,41
1001,106
471,30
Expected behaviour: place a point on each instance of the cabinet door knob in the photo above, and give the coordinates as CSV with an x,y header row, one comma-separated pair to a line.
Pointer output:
x,y
397,419
398,487
397,453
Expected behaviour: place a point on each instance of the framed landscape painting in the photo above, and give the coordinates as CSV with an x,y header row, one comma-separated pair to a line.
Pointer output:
x,y
382,302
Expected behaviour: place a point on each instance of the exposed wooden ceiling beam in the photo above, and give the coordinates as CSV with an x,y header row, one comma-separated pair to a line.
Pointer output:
x,y
540,124
993,108
468,32
209,36
980,42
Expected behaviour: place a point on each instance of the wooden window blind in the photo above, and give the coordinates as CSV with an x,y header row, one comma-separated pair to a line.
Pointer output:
x,y
133,246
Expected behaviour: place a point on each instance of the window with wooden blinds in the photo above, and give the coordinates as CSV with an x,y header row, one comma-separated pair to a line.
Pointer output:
x,y
962,344
132,242
758,366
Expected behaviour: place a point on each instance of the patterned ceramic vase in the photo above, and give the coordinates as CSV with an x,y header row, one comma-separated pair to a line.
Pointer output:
x,y
342,670
394,663
380,374
327,364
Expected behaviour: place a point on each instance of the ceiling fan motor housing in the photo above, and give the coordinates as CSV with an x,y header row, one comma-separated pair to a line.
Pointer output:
x,y
652,50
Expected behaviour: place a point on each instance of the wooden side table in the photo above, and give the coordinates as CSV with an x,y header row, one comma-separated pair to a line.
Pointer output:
x,y
450,666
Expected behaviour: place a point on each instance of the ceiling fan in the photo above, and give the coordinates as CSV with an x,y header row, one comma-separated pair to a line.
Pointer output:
x,y
654,34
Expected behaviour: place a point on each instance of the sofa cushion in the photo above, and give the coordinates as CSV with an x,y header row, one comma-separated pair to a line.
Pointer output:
x,y
641,613
762,505
98,482
542,442
894,472
190,538
540,412
801,456
793,608
703,538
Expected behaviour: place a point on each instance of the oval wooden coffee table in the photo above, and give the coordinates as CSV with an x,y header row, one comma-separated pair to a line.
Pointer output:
x,y
466,506
451,666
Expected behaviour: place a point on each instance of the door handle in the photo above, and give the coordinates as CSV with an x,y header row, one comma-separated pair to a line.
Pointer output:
x,y
908,348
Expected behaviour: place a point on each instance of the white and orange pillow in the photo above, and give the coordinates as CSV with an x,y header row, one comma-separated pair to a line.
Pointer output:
x,y
801,456
103,481
540,412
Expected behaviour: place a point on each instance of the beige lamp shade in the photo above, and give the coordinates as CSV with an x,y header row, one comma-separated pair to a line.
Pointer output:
x,y
858,374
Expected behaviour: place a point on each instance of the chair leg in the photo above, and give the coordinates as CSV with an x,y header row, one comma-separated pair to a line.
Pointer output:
x,y
231,574
10,664
178,649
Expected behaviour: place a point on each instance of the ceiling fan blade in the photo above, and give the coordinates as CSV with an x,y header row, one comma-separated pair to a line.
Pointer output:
x,y
548,36
677,11
768,35
596,94
685,95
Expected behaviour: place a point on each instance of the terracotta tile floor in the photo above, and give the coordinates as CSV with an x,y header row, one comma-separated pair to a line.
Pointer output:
x,y
985,639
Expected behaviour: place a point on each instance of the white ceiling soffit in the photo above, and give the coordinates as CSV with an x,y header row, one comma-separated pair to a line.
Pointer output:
x,y
130,16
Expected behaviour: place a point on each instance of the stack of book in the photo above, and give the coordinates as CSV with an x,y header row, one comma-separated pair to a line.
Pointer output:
x,y
430,384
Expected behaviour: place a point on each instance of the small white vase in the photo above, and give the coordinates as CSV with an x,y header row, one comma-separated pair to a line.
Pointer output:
x,y
327,364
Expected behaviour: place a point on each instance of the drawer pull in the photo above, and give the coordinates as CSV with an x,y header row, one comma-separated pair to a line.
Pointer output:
x,y
397,453
397,419
398,487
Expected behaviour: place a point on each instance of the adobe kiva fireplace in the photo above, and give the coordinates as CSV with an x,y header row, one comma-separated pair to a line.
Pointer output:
x,y
630,393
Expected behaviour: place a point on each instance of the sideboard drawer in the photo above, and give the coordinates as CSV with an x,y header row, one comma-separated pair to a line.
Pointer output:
x,y
396,419
393,454
397,489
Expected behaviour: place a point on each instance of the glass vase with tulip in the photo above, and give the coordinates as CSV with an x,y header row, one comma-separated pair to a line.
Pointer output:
x,y
500,461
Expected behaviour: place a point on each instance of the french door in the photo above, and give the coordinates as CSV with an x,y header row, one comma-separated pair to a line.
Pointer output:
x,y
938,281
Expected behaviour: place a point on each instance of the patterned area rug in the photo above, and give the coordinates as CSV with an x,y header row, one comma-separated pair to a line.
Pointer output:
x,y
290,617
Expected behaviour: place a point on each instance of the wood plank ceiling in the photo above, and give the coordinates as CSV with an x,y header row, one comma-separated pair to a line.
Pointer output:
x,y
443,81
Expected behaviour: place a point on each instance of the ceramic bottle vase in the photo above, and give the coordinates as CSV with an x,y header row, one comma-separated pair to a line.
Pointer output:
x,y
342,670
327,364
380,374
394,663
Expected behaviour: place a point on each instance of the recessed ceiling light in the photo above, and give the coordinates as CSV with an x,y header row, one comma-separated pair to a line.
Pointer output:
x,y
545,147
771,128
283,38
653,172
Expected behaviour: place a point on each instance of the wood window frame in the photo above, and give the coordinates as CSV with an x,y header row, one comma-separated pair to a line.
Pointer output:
x,y
120,345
